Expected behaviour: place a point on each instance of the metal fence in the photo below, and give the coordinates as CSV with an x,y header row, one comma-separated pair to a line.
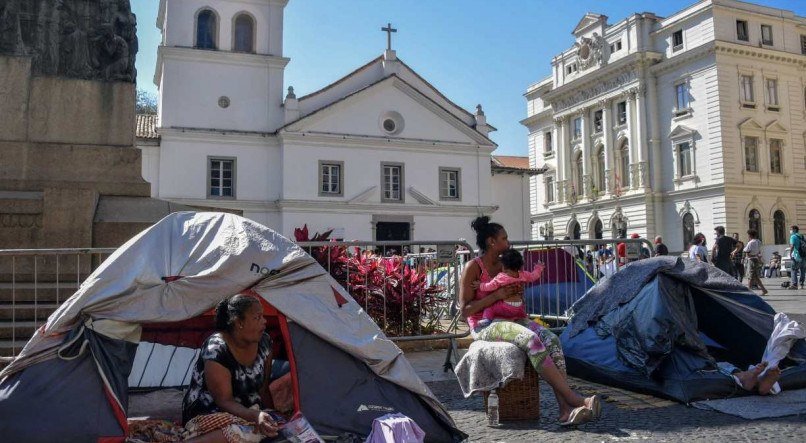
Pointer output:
x,y
409,288
572,267
410,296
33,283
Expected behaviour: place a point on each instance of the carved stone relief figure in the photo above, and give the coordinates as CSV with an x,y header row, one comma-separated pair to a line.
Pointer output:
x,y
76,61
112,55
10,30
126,26
86,39
46,39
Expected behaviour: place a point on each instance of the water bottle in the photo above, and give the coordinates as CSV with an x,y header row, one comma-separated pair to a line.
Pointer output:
x,y
492,409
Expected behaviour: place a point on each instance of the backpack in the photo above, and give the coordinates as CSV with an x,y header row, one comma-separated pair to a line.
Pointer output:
x,y
802,248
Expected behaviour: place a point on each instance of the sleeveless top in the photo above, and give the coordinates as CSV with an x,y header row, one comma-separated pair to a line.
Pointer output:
x,y
483,278
246,380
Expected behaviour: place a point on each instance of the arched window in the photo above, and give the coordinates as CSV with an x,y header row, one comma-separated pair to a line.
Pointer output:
x,y
597,229
244,34
574,230
779,227
624,165
754,221
600,170
206,29
688,230
578,177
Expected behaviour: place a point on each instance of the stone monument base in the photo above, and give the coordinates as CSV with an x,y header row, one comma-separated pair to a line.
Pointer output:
x,y
70,175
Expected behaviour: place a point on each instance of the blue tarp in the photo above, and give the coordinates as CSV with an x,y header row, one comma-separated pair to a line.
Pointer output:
x,y
661,324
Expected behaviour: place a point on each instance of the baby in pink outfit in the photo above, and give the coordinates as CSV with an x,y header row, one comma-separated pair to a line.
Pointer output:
x,y
509,309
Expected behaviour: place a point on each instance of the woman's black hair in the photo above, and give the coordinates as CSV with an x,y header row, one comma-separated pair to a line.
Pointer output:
x,y
512,259
484,230
231,308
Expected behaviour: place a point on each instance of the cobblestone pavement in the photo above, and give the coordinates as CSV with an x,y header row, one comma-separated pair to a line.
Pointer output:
x,y
627,416
662,422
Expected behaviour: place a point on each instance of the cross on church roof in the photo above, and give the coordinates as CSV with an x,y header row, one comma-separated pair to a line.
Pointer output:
x,y
388,30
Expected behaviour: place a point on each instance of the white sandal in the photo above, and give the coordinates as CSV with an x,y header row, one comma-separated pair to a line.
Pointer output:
x,y
578,416
596,407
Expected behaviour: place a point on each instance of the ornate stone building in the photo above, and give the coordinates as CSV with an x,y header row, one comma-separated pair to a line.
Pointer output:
x,y
673,126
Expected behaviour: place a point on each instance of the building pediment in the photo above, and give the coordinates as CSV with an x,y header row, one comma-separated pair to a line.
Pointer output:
x,y
367,75
389,108
776,126
681,131
589,21
750,125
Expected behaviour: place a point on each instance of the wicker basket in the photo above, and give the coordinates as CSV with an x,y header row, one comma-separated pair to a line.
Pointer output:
x,y
519,399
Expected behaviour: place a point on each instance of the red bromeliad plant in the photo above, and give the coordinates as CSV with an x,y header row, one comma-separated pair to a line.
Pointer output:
x,y
394,294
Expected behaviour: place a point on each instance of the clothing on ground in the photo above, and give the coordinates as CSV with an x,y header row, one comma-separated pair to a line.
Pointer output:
x,y
395,428
784,334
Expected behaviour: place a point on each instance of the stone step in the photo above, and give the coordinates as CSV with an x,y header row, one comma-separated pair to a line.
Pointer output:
x,y
41,292
26,311
18,330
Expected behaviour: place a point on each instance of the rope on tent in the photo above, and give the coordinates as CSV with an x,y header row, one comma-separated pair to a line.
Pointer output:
x,y
145,366
70,343
168,367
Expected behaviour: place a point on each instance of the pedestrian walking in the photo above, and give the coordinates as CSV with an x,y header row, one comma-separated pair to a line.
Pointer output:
x,y
754,261
798,254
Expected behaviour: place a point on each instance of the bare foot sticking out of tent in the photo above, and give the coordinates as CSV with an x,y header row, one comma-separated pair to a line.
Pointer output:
x,y
769,379
748,379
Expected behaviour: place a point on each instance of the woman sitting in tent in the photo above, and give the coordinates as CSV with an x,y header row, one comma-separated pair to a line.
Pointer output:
x,y
542,347
229,385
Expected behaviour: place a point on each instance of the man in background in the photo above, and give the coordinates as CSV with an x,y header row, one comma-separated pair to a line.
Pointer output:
x,y
660,248
723,247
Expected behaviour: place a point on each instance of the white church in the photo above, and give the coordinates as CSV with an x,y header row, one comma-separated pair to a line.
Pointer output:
x,y
379,154
673,125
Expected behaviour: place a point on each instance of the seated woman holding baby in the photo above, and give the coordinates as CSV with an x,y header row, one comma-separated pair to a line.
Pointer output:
x,y
491,299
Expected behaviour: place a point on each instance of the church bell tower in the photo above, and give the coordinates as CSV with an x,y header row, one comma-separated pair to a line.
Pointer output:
x,y
220,64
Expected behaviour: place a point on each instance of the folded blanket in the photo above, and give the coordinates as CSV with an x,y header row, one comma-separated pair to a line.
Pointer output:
x,y
489,365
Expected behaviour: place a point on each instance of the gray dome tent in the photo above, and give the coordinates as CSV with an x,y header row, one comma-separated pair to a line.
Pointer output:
x,y
660,325
161,286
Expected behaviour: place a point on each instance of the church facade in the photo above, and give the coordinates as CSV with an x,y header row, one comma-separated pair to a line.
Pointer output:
x,y
379,154
672,126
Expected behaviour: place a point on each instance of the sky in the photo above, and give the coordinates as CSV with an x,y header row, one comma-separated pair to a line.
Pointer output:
x,y
474,51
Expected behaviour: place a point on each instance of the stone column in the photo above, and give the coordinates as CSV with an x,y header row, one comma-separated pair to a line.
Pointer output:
x,y
607,128
641,135
586,191
559,129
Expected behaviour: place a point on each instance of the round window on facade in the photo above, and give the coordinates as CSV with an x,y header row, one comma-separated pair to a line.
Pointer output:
x,y
391,123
